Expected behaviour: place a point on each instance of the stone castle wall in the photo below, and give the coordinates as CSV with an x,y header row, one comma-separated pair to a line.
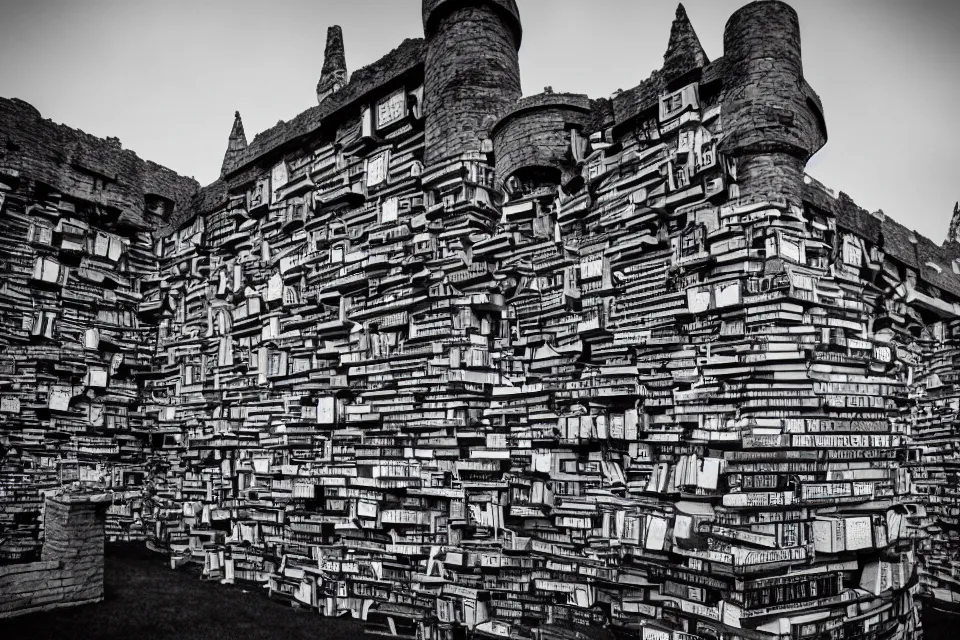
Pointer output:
x,y
76,231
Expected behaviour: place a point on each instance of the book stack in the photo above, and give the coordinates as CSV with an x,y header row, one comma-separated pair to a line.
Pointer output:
x,y
325,340
405,395
935,462
72,347
449,402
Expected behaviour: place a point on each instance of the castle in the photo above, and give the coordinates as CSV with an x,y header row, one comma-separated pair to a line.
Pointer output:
x,y
458,362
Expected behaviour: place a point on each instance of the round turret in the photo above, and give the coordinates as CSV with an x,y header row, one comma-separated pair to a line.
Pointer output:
x,y
433,10
471,72
533,138
772,119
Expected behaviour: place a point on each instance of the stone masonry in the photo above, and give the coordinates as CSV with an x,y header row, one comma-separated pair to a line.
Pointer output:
x,y
71,570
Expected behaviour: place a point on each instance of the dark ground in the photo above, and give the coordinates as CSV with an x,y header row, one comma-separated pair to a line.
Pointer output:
x,y
939,624
144,599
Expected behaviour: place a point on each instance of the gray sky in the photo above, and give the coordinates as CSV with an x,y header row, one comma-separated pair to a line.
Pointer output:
x,y
165,76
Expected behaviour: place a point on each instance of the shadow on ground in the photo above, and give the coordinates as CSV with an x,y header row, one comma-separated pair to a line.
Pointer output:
x,y
144,599
939,624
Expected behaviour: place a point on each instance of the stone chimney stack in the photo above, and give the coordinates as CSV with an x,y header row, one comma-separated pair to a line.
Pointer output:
x,y
235,147
334,75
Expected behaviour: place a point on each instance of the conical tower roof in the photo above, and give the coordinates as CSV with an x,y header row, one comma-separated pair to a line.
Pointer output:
x,y
333,75
236,145
684,51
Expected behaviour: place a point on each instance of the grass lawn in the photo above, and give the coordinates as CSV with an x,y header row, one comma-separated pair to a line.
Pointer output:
x,y
144,600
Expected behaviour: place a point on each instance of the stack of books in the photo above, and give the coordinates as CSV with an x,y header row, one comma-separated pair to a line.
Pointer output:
x,y
619,394
935,463
73,348
384,391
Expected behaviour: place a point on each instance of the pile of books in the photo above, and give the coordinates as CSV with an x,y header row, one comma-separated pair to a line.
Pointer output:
x,y
936,463
398,393
72,348
625,393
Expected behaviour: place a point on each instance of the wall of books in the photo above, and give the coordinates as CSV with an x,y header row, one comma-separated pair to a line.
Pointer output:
x,y
411,397
632,381
935,466
73,345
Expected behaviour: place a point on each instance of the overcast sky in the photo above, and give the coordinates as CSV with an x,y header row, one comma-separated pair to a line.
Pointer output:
x,y
165,76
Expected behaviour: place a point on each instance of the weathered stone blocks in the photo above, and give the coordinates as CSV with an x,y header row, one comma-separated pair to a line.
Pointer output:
x,y
71,571
472,74
768,107
535,133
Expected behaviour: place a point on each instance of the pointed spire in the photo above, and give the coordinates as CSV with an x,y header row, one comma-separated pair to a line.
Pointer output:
x,y
953,233
235,147
684,52
334,73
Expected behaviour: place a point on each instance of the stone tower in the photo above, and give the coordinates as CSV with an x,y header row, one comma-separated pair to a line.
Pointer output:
x,y
472,73
334,75
772,119
235,146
